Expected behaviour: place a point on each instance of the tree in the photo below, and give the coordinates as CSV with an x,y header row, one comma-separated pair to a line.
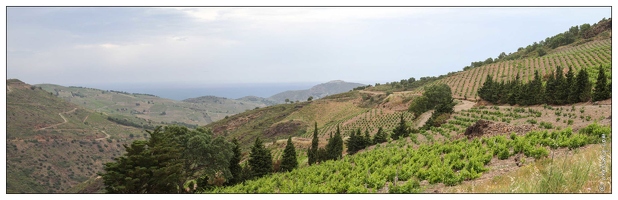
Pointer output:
x,y
353,143
540,52
312,154
583,86
310,98
171,157
401,131
440,97
536,88
287,100
153,166
260,159
379,137
572,95
601,88
367,139
334,148
562,89
419,105
235,168
289,162
550,89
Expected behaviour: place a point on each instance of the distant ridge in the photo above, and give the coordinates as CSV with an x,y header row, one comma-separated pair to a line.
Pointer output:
x,y
317,91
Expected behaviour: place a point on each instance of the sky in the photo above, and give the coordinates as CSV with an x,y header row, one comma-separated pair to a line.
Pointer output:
x,y
217,46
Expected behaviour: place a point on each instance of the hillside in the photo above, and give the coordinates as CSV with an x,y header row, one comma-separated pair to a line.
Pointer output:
x,y
318,91
52,144
477,143
381,105
150,109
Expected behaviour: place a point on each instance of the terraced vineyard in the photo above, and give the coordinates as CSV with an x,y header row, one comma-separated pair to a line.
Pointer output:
x,y
587,55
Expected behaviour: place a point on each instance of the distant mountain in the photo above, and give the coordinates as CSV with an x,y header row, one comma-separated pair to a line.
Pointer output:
x,y
254,99
318,91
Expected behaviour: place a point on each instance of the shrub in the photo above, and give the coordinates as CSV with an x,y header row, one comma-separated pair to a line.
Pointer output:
x,y
546,125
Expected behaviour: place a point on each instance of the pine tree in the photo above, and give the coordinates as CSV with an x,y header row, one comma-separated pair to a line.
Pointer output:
x,y
235,168
401,130
153,166
334,148
485,92
572,95
537,89
562,89
550,89
312,154
367,139
353,143
260,159
289,161
601,88
584,86
379,137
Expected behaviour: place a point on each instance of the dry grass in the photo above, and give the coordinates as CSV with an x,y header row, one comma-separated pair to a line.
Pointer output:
x,y
577,171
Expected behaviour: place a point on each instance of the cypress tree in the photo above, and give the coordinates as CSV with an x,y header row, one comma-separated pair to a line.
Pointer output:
x,y
312,154
562,89
367,140
235,168
601,88
334,148
572,95
550,89
260,159
401,130
289,161
379,137
584,86
352,143
537,89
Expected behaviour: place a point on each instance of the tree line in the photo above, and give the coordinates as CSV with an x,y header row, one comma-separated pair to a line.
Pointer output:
x,y
575,33
559,89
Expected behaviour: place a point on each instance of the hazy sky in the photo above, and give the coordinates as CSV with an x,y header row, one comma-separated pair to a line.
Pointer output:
x,y
88,46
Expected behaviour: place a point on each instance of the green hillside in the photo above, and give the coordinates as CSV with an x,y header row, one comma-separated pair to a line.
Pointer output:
x,y
52,144
150,109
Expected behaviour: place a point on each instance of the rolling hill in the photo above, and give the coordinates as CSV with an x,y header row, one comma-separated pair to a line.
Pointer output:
x,y
52,144
318,91
150,109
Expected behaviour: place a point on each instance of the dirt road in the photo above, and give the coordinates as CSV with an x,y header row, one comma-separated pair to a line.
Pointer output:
x,y
63,118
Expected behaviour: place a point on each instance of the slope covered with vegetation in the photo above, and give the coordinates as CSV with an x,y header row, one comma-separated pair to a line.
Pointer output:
x,y
52,144
427,143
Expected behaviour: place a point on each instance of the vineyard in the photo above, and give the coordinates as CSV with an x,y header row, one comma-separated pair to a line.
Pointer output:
x,y
587,56
398,167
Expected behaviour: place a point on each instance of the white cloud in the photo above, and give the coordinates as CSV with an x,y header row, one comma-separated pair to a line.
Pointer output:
x,y
307,14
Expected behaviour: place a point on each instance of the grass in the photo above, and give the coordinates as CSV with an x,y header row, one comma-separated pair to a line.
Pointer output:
x,y
577,172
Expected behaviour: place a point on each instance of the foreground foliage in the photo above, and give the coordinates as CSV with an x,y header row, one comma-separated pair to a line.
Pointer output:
x,y
449,163
172,159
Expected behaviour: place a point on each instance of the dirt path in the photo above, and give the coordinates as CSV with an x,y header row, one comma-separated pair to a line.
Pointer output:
x,y
103,138
84,121
463,106
423,118
63,118
372,92
9,89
